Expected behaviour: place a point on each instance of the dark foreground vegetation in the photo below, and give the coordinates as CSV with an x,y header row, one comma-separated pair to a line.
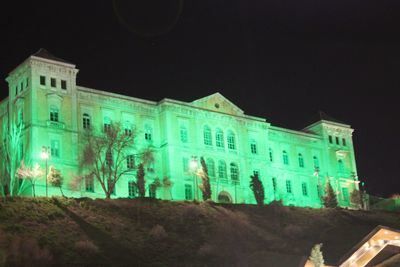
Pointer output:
x,y
147,232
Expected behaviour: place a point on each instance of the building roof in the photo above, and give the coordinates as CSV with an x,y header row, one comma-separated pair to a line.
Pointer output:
x,y
43,53
323,116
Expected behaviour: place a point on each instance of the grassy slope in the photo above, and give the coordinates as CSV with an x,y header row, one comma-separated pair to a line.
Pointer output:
x,y
124,232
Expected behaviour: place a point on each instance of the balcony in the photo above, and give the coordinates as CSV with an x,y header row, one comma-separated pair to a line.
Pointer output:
x,y
56,125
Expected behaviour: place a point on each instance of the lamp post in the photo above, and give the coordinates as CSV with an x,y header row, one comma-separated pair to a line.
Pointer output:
x,y
45,156
193,169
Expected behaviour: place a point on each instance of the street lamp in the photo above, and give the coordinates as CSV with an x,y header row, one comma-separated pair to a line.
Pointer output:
x,y
193,168
45,155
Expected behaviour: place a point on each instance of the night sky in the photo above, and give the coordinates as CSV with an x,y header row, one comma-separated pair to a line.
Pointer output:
x,y
283,60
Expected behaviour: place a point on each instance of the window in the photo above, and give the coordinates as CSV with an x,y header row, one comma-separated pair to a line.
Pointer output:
x,y
152,190
337,140
285,157
111,185
16,90
42,80
301,161
316,162
207,136
210,167
183,134
219,138
231,140
344,141
89,183
185,164
253,147
234,172
106,124
271,155
256,173
86,121
132,189
128,128
330,139
64,84
345,193
340,166
130,162
21,88
148,133
55,148
53,82
274,184
221,169
26,82
54,113
304,189
289,186
188,192
109,158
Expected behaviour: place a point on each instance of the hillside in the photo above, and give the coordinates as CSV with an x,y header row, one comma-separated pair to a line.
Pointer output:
x,y
146,232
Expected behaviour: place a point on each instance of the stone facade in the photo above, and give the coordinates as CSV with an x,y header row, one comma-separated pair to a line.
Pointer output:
x,y
293,165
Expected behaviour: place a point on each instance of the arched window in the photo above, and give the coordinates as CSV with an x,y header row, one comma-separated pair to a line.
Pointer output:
x,y
86,121
107,124
316,162
231,140
234,172
285,157
219,138
340,166
301,161
221,170
271,155
128,128
148,133
207,136
253,146
210,167
183,134
54,113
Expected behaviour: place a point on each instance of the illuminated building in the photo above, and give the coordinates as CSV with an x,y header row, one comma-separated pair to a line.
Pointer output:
x,y
293,165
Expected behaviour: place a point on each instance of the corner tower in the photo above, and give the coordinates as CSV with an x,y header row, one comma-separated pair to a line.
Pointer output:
x,y
339,157
42,96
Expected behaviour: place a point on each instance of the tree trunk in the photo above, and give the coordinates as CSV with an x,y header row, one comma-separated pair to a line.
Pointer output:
x,y
108,195
33,190
62,193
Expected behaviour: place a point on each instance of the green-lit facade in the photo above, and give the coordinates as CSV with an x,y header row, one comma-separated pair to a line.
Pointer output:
x,y
293,165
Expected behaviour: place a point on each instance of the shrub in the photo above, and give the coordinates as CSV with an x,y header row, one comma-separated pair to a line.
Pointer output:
x,y
293,231
158,232
25,251
86,247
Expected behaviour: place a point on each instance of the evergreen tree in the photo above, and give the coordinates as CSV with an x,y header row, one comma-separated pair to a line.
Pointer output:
x,y
316,256
141,183
330,200
205,186
258,189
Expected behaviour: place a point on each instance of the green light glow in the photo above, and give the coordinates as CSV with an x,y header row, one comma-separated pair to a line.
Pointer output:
x,y
292,165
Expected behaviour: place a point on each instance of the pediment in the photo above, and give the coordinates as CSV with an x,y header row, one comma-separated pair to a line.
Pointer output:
x,y
217,102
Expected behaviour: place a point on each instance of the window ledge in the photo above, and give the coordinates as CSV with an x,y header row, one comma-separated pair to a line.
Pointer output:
x,y
56,124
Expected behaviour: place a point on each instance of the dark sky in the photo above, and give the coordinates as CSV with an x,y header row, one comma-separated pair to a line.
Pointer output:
x,y
279,59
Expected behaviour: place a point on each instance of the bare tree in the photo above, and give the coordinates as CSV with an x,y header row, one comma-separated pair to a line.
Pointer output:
x,y
30,174
55,178
105,155
11,159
